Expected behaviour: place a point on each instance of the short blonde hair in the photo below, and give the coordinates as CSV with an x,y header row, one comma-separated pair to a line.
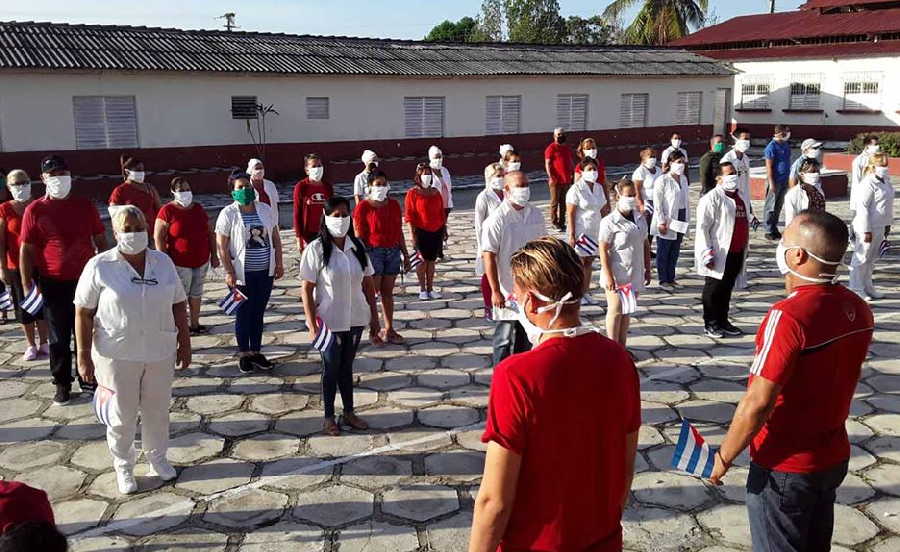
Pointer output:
x,y
549,266
879,159
491,171
122,214
17,175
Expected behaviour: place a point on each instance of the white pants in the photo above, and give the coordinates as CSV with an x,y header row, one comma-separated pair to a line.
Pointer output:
x,y
144,387
863,260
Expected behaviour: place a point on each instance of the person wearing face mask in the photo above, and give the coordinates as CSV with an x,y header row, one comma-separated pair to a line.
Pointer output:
x,y
740,160
512,161
671,196
504,148
778,171
441,180
806,193
513,224
871,224
266,191
643,177
249,248
675,144
861,162
310,195
378,223
587,201
182,231
720,250
60,233
337,290
559,163
810,349
487,201
33,325
555,406
370,163
809,149
132,330
426,216
135,190
587,149
624,256
709,163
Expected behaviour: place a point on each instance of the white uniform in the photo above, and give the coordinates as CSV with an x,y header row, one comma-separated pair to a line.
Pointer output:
x,y
444,183
857,173
485,204
715,225
670,195
669,151
360,183
874,211
504,232
647,177
742,169
626,248
134,345
339,297
796,200
271,191
588,204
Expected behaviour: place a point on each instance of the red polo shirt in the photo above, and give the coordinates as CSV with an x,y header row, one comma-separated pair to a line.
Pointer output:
x,y
562,162
565,407
61,231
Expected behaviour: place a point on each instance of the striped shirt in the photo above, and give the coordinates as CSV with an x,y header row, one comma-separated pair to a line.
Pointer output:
x,y
259,246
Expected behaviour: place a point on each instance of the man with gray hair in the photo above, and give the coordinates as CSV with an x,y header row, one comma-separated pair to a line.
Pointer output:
x,y
559,162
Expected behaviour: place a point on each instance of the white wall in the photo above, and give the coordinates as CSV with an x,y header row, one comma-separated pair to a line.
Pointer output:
x,y
193,109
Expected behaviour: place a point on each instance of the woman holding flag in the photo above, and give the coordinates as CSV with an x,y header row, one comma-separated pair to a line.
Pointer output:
x,y
250,252
586,203
338,297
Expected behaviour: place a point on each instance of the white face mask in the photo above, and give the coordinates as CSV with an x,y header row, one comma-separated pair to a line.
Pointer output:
x,y
183,198
812,179
436,164
677,169
742,145
592,153
513,166
132,243
730,182
337,226
379,193
881,172
316,173
627,204
20,193
784,268
519,196
258,174
676,143
426,180
497,183
533,331
872,149
650,162
589,176
58,187
136,176
813,153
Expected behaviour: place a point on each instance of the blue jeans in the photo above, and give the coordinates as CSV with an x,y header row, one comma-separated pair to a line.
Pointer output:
x,y
509,338
792,512
773,205
337,370
667,252
248,323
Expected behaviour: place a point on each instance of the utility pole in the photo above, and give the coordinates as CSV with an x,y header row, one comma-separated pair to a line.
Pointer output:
x,y
229,21
771,6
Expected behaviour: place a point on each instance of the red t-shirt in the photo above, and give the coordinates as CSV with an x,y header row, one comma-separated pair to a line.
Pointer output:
x,y
309,202
61,231
813,344
13,230
128,194
425,211
379,226
562,162
187,236
566,407
741,233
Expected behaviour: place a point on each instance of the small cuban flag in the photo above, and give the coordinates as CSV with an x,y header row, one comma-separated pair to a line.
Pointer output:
x,y
33,302
106,406
6,301
755,224
692,454
415,260
324,338
233,301
882,249
585,245
628,298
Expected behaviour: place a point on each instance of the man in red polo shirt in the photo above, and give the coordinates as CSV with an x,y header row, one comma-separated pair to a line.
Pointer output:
x,y
310,195
60,233
809,354
559,162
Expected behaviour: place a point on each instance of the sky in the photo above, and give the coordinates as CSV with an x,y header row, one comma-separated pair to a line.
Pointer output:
x,y
407,19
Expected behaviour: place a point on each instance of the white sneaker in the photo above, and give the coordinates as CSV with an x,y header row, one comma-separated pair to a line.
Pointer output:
x,y
125,479
874,294
163,470
434,295
423,295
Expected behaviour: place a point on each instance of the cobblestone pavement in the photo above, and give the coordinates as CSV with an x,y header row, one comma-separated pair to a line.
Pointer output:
x,y
254,475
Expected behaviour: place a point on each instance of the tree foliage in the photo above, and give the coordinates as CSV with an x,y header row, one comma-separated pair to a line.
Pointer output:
x,y
448,31
659,22
591,30
539,22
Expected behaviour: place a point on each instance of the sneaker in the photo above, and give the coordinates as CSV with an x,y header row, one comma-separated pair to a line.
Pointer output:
x,y
245,365
261,362
424,296
730,329
434,295
63,395
31,353
163,470
875,294
714,331
44,350
126,481
773,236
666,286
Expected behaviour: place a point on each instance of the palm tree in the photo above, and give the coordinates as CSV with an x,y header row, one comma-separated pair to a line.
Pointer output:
x,y
659,21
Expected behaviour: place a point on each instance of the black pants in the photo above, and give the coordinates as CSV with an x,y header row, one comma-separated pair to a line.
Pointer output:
x,y
717,293
59,311
337,370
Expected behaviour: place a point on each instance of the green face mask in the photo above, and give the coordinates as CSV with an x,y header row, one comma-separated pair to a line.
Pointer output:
x,y
244,196
719,148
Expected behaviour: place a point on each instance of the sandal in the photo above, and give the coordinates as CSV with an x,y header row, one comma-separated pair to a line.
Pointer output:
x,y
331,428
395,339
376,340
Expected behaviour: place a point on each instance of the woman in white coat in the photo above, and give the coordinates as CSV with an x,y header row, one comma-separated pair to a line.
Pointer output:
x,y
670,217
131,328
488,199
586,203
874,202
266,191
806,193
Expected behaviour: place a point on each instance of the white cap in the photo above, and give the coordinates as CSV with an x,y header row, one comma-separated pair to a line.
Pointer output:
x,y
369,156
434,151
252,165
810,143
505,148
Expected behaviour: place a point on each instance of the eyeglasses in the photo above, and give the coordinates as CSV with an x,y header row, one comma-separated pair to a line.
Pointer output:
x,y
144,281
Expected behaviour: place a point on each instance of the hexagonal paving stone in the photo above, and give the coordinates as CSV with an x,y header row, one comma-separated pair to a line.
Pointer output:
x,y
443,378
419,439
343,445
57,481
191,447
295,473
214,404
25,456
415,397
466,361
255,385
334,506
851,527
376,472
247,509
105,484
361,398
888,545
434,348
854,489
77,515
475,396
187,540
279,403
214,476
420,502
653,413
10,389
448,416
153,513
670,490
385,381
302,423
284,536
707,411
658,529
239,423
410,363
378,537
100,544
451,534
458,465
885,424
718,390
12,409
857,431
728,522
387,417
266,446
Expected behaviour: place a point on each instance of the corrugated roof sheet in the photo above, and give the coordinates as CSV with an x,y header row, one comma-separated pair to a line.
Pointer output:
x,y
25,45
816,4
812,51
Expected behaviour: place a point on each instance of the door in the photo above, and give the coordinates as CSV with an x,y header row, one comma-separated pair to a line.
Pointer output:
x,y
722,111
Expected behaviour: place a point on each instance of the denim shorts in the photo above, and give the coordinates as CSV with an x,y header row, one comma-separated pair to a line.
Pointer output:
x,y
385,260
192,279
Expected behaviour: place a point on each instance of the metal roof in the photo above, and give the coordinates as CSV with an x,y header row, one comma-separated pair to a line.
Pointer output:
x,y
817,4
30,45
811,51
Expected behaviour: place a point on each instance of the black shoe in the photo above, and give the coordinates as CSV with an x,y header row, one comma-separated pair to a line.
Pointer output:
x,y
714,331
245,365
261,362
63,395
730,329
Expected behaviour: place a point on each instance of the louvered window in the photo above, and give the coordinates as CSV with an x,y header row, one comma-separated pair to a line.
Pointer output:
x,y
244,107
687,112
104,122
571,111
317,108
806,91
862,91
755,92
503,114
633,110
423,116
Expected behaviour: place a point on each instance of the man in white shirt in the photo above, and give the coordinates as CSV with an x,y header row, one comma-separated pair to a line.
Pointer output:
x,y
857,170
361,181
675,146
513,224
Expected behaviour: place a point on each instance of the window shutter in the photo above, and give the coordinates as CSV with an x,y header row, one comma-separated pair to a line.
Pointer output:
x,y
688,109
806,91
243,107
413,114
317,108
755,91
503,114
633,110
90,122
423,116
103,122
862,91
121,122
564,110
492,114
434,117
571,111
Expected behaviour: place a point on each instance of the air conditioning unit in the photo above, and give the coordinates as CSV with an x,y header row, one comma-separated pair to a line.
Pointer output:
x,y
244,107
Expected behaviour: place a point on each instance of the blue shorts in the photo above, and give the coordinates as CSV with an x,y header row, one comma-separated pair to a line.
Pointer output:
x,y
385,260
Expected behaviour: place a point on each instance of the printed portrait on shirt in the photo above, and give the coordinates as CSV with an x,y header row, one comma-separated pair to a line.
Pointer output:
x,y
258,238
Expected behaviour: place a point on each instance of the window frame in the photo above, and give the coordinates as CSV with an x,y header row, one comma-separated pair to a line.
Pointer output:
x,y
565,115
82,128
630,123
684,118
311,100
505,104
423,124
